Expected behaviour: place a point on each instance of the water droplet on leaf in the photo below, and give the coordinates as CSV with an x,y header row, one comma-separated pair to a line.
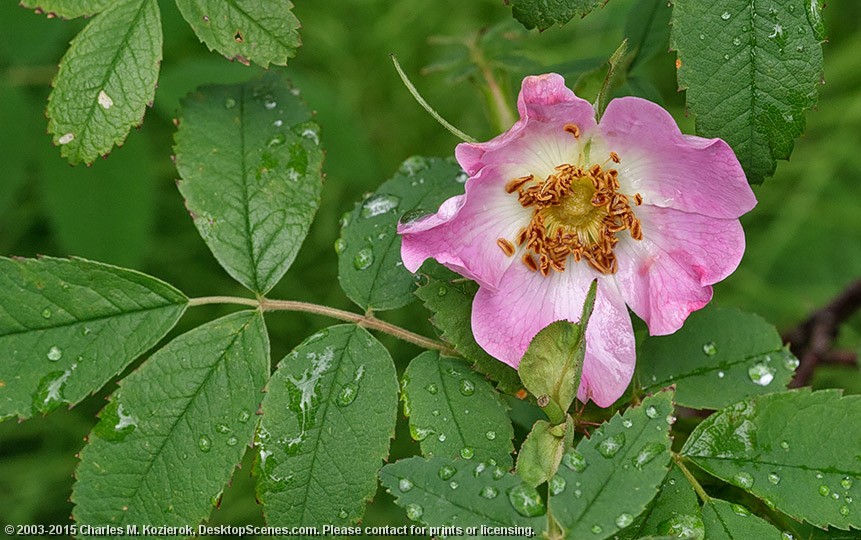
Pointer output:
x,y
467,387
774,478
204,443
743,480
761,374
363,259
378,204
710,349
610,446
651,411
446,472
54,354
489,492
574,460
624,520
490,435
405,484
414,511
526,501
556,485
467,452
646,454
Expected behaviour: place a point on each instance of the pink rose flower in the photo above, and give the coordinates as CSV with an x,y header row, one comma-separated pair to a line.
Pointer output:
x,y
559,200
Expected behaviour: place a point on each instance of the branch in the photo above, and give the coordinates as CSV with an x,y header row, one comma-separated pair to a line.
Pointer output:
x,y
811,341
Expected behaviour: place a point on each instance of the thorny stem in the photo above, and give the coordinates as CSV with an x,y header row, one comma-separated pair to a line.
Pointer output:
x,y
365,321
691,478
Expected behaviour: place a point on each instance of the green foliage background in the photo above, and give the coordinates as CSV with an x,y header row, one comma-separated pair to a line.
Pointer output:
x,y
804,238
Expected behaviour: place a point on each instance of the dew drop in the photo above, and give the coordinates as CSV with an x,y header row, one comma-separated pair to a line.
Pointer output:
x,y
363,259
574,460
835,495
278,123
725,15
526,501
490,435
343,514
846,482
378,204
784,445
67,138
340,245
446,472
442,291
498,473
710,349
682,526
740,510
578,493
405,484
790,362
736,41
222,428
597,529
844,510
229,103
54,354
277,140
414,511
489,492
721,374
479,469
786,535
441,437
244,416
467,452
627,423
432,388
204,443
624,520
347,394
556,485
743,480
702,37
774,478
610,446
467,387
651,411
824,490
419,433
453,485
761,374
647,453
270,104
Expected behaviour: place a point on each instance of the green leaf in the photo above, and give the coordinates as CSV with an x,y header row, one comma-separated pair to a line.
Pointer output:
x,y
369,251
541,452
719,357
67,9
259,31
68,326
553,363
169,439
450,297
440,492
106,79
104,212
726,521
796,450
647,28
543,14
611,476
454,412
675,511
250,162
327,419
750,69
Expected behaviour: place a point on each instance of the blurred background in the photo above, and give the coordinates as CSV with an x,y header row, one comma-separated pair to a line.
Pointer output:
x,y
804,237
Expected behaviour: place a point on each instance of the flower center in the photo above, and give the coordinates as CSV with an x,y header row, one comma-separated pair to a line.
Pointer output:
x,y
577,212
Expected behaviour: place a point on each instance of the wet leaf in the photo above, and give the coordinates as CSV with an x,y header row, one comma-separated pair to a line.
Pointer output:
x,y
726,521
719,357
250,160
68,326
328,418
106,79
442,492
797,450
167,443
454,412
543,14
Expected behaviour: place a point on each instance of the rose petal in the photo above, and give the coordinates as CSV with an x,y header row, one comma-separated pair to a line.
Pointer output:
x,y
505,320
463,234
669,273
670,169
546,105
